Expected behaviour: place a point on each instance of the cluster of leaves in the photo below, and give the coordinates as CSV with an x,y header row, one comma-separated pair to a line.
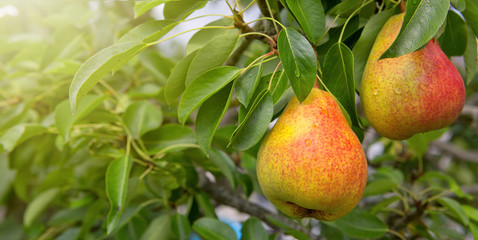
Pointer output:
x,y
131,161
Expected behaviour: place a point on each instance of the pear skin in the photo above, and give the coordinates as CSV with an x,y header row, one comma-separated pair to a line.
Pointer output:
x,y
414,93
311,164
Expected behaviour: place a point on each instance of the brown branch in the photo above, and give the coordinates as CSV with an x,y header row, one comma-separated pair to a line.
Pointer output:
x,y
469,156
223,194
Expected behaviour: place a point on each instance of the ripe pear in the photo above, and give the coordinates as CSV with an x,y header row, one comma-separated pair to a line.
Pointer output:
x,y
414,93
311,164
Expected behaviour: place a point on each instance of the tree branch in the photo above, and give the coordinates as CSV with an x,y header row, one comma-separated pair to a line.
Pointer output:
x,y
223,194
469,156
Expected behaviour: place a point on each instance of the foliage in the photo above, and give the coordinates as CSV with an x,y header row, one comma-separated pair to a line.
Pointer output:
x,y
105,135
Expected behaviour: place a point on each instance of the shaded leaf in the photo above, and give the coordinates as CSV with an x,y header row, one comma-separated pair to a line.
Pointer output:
x,y
180,9
100,64
64,119
471,56
338,77
158,229
460,5
20,133
213,54
210,115
329,231
252,229
7,175
379,186
225,164
247,84
210,228
176,82
364,45
455,208
297,234
422,20
471,15
452,184
180,226
383,204
117,176
203,87
38,205
299,61
311,17
205,204
362,224
471,212
167,136
474,230
255,123
453,40
141,117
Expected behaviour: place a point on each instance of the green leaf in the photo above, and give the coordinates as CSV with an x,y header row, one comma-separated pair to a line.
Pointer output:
x,y
203,87
210,228
255,123
141,117
453,186
344,8
20,133
148,32
471,56
419,142
311,17
176,82
383,204
213,54
364,45
141,7
180,227
471,212
474,230
117,176
205,204
64,119
379,186
471,15
210,115
225,164
252,229
455,208
299,61
329,231
181,9
453,40
460,5
297,234
158,229
361,224
7,175
167,136
203,36
279,86
422,20
338,77
38,205
14,115
247,84
100,64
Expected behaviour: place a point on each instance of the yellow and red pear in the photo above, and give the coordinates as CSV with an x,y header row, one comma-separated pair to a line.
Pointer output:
x,y
414,93
311,164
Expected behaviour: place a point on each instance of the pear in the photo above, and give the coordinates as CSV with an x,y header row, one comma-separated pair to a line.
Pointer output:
x,y
311,164
414,93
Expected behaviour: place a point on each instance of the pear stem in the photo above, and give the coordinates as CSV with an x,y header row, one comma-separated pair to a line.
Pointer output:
x,y
403,7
